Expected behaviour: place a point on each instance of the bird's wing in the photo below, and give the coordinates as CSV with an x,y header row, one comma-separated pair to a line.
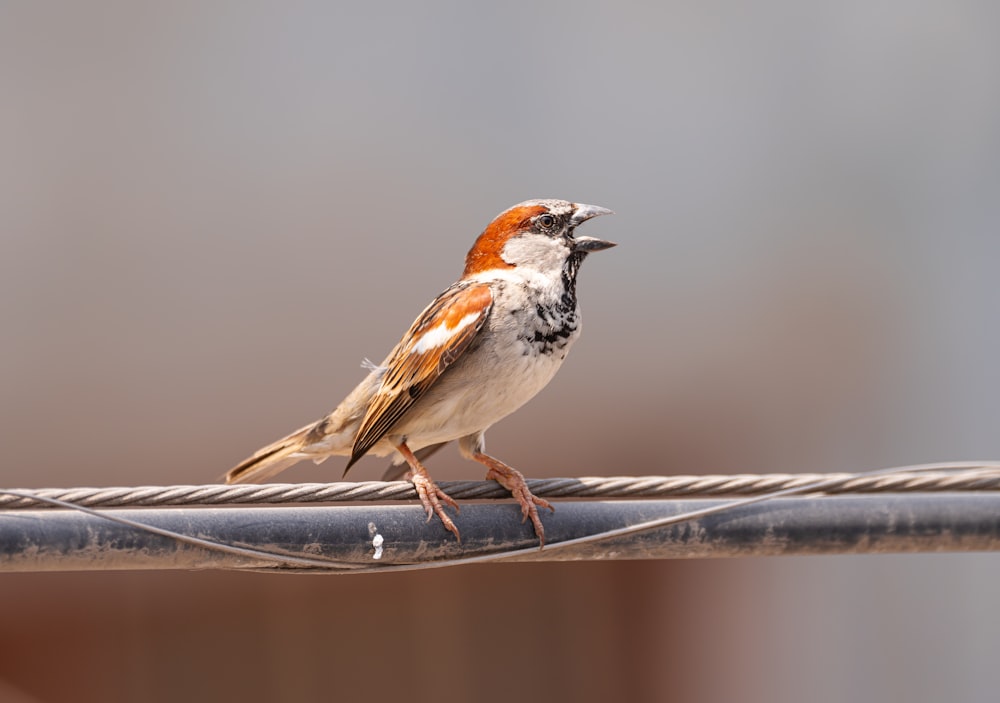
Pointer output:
x,y
435,340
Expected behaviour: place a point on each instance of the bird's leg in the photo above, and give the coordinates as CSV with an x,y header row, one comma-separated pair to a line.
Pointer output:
x,y
430,495
513,481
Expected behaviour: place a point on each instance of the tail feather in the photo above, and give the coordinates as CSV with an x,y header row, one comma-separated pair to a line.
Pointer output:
x,y
272,459
332,435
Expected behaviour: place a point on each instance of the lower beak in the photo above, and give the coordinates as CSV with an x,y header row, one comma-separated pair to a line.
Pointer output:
x,y
590,244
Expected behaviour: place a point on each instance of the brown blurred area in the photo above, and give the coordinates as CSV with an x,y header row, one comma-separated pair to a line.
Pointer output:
x,y
210,213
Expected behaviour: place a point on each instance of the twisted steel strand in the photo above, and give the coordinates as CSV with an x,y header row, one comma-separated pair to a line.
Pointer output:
x,y
928,478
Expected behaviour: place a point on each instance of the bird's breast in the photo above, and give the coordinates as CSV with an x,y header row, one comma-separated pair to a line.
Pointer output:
x,y
514,356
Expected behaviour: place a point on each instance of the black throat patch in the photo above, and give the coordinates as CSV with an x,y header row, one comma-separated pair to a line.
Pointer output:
x,y
555,324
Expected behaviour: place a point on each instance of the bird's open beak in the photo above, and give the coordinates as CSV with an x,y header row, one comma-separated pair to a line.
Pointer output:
x,y
582,213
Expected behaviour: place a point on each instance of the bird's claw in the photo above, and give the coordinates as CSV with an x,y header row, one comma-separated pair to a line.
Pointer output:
x,y
513,481
432,497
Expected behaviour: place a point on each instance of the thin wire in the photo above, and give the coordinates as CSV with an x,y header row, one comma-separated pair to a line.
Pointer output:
x,y
944,477
311,564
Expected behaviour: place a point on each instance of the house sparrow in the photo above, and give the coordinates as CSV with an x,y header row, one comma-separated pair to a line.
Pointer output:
x,y
478,352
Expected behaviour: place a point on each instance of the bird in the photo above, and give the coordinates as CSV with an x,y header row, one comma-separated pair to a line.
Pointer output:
x,y
479,351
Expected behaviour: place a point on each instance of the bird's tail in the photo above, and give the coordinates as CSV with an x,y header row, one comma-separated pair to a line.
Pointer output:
x,y
272,459
331,435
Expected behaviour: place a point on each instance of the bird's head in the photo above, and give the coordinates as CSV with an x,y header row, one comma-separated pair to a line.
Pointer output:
x,y
536,234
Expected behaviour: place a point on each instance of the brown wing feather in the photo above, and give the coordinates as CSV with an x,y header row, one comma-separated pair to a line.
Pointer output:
x,y
447,327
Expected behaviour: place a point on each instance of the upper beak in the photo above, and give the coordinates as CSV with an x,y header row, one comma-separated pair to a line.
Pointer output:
x,y
582,213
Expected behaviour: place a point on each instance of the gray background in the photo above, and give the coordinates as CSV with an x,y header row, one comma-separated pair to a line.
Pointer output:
x,y
211,212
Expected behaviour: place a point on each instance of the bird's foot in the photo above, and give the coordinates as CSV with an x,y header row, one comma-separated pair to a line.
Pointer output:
x,y
513,481
431,497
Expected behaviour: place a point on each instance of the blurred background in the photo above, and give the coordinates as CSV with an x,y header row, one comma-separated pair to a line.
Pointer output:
x,y
211,212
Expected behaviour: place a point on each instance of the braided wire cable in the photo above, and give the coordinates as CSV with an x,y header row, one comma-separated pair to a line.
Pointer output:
x,y
957,476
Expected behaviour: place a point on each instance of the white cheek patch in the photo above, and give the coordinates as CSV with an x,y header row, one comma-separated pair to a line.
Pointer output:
x,y
535,251
441,334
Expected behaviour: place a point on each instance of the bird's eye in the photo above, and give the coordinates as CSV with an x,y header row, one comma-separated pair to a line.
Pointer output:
x,y
546,221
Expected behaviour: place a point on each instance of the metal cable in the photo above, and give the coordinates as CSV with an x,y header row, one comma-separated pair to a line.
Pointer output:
x,y
965,476
953,477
